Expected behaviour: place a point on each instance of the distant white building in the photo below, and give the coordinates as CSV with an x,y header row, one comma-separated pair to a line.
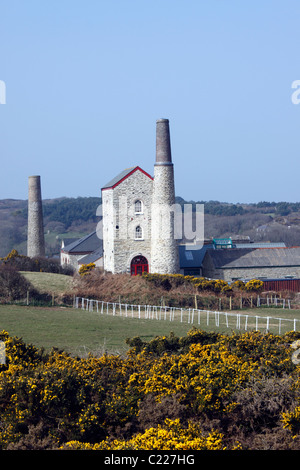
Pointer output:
x,y
85,250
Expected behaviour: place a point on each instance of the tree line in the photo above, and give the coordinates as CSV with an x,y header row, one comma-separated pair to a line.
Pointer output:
x,y
262,221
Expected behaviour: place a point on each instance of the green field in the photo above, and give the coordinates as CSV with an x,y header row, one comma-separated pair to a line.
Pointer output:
x,y
80,332
49,282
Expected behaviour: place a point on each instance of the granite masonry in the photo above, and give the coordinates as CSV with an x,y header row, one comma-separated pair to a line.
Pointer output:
x,y
164,246
35,237
126,206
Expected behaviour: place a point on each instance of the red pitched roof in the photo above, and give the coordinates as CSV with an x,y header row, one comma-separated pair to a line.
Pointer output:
x,y
123,175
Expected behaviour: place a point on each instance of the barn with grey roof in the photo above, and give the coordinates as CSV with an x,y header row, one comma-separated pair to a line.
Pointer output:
x,y
252,263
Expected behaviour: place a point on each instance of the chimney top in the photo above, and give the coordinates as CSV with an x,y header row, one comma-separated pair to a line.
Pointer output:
x,y
163,144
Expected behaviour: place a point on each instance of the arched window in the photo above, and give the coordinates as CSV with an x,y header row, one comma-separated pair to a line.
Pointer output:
x,y
138,233
138,207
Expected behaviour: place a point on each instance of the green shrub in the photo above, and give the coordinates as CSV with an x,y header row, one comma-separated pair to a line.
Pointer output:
x,y
13,286
25,263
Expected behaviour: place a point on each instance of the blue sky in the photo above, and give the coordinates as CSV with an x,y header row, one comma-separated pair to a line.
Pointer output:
x,y
86,81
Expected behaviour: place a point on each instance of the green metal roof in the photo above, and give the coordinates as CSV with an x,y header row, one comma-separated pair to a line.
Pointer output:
x,y
222,243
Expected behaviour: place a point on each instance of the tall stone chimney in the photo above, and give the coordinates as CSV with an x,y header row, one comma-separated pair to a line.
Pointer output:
x,y
164,246
35,236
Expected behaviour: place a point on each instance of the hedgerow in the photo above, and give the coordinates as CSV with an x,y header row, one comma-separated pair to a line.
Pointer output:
x,y
167,281
201,391
25,263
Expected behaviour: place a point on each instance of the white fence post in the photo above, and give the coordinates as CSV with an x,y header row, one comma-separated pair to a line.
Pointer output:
x,y
279,326
193,311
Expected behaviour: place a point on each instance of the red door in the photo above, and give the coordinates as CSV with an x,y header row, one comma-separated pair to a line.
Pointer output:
x,y
139,265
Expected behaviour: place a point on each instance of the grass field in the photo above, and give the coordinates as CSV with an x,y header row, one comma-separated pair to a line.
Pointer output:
x,y
49,282
80,332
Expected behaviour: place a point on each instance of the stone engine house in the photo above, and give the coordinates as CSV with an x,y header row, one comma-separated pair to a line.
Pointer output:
x,y
138,227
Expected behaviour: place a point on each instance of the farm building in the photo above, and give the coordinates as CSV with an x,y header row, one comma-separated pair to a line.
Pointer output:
x,y
192,256
252,263
191,259
85,250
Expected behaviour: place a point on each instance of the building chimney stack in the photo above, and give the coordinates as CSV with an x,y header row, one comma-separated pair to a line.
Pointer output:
x,y
163,144
35,236
164,245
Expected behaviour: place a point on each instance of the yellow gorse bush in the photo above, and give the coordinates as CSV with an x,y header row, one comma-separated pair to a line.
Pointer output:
x,y
169,436
202,283
85,403
86,268
203,377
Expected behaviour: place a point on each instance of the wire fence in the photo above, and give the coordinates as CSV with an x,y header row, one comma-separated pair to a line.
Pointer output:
x,y
192,316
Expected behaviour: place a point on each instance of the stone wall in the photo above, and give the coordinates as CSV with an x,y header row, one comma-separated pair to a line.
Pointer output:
x,y
164,246
108,229
67,259
120,221
275,272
